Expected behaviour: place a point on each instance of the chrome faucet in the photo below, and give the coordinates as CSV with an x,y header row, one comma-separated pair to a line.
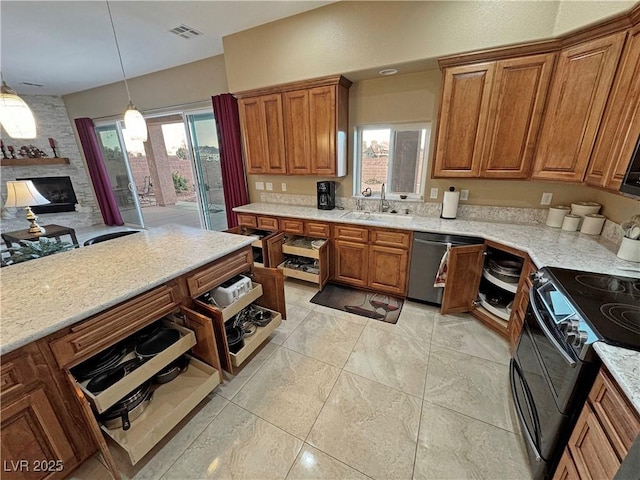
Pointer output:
x,y
384,205
358,204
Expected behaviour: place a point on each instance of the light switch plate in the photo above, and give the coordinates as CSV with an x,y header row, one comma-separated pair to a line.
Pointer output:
x,y
434,193
284,187
269,186
259,185
464,194
546,199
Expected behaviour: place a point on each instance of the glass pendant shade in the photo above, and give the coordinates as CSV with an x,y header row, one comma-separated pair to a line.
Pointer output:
x,y
135,124
15,115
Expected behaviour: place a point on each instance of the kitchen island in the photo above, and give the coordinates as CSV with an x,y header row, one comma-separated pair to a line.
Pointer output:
x,y
62,310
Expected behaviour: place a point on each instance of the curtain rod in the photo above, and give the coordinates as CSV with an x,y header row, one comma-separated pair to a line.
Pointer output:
x,y
202,103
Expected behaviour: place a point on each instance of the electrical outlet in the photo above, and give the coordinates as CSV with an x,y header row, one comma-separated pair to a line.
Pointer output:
x,y
434,193
269,186
284,187
464,194
546,199
259,185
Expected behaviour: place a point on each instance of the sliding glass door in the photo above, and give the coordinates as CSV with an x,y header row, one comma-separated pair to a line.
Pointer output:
x,y
115,155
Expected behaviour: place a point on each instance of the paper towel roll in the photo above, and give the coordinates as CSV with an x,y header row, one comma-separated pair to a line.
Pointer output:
x,y
571,222
450,204
556,215
592,224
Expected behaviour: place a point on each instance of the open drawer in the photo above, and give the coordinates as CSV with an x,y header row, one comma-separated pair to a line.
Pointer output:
x,y
265,242
252,342
129,382
302,254
169,404
229,311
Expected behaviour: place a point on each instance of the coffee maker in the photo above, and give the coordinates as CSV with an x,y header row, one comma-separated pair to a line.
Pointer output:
x,y
326,195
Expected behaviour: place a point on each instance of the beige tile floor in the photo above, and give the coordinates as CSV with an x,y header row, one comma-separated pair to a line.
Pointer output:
x,y
337,396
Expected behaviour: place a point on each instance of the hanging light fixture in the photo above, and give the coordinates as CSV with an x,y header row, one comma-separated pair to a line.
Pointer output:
x,y
15,115
133,120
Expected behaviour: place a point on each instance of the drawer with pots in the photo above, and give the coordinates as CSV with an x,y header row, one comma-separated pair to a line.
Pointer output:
x,y
143,386
306,259
241,327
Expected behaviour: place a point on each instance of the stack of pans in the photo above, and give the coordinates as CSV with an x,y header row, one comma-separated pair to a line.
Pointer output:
x,y
506,270
106,369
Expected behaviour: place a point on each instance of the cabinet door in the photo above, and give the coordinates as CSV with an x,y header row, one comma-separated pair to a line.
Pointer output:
x,y
462,123
297,128
566,470
621,123
274,255
201,325
590,448
272,281
515,112
32,432
351,262
263,133
322,128
388,269
325,268
463,278
578,96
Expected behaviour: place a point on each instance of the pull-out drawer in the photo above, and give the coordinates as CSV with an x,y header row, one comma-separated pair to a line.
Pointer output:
x,y
348,232
391,238
169,404
94,335
291,225
107,398
223,269
229,311
252,342
301,248
317,229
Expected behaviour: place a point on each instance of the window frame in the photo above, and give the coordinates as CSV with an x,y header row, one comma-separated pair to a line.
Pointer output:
x,y
393,127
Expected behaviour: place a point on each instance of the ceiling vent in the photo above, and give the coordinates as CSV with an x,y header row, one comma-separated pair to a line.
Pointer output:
x,y
29,84
185,31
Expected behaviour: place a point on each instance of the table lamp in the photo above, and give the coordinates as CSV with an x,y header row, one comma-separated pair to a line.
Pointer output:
x,y
23,193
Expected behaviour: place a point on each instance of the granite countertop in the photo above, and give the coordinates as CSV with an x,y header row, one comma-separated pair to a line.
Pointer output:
x,y
545,245
40,297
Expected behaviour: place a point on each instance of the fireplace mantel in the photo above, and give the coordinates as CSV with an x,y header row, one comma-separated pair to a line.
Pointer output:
x,y
25,162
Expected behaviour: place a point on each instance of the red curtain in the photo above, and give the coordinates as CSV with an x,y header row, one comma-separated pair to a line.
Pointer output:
x,y
234,182
98,172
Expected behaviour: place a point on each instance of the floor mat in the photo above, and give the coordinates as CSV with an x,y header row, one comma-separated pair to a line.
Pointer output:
x,y
366,304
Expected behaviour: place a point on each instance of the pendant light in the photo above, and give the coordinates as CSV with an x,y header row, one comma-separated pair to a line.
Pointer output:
x,y
15,115
133,120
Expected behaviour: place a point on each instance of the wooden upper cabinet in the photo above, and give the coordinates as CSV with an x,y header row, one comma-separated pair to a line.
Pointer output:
x,y
515,112
462,123
263,134
621,123
298,128
578,95
322,125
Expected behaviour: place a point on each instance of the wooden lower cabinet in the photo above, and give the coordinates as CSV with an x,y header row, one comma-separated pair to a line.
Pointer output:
x,y
351,262
388,269
602,436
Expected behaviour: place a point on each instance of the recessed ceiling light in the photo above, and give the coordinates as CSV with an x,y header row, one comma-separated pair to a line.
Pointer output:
x,y
388,71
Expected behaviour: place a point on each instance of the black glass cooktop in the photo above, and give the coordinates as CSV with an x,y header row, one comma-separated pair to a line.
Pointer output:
x,y
609,303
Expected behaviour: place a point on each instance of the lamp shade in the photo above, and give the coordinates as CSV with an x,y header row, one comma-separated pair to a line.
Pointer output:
x,y
15,115
23,193
135,124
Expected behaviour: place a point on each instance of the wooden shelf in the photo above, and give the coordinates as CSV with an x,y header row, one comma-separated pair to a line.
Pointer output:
x,y
26,162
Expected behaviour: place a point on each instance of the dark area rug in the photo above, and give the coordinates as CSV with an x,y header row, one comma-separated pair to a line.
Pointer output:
x,y
366,304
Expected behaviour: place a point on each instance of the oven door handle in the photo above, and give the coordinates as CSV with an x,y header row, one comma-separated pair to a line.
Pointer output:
x,y
545,329
513,369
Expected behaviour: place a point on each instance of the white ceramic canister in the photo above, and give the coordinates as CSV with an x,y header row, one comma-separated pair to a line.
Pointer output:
x,y
592,224
556,215
571,222
629,250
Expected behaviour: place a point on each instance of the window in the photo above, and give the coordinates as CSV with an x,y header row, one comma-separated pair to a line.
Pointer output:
x,y
391,154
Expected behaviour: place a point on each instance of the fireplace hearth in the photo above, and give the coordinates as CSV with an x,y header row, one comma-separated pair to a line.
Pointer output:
x,y
58,190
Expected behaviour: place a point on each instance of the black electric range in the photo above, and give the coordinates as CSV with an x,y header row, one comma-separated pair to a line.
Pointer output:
x,y
610,304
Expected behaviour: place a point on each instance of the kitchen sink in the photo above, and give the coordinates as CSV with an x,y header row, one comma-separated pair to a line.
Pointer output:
x,y
389,218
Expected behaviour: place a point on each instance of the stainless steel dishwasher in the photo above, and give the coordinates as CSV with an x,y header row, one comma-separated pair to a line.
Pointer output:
x,y
428,249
